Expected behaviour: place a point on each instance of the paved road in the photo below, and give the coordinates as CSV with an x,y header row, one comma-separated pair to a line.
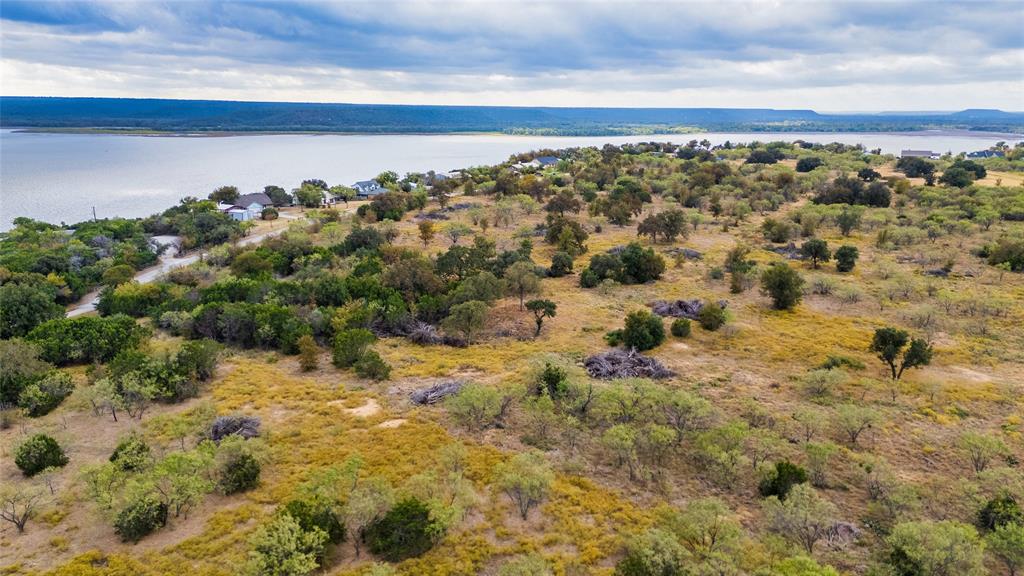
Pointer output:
x,y
167,263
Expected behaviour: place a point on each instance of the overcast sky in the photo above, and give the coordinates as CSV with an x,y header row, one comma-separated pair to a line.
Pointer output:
x,y
828,56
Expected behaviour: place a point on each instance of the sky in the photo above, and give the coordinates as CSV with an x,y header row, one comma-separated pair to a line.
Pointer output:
x,y
826,56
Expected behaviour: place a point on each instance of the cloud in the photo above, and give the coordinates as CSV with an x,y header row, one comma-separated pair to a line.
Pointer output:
x,y
827,56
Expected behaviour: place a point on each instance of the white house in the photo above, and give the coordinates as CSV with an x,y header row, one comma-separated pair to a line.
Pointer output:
x,y
919,154
368,189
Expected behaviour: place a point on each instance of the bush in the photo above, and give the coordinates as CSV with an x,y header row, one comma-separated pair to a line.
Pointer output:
x,y
1007,252
817,250
1000,511
782,479
350,345
475,406
561,265
87,339
643,331
372,366
309,353
317,513
38,453
653,553
406,531
783,284
131,454
269,213
846,258
240,473
711,316
140,517
809,163
681,327
41,397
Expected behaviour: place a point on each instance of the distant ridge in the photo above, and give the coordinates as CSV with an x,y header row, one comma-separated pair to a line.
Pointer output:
x,y
232,116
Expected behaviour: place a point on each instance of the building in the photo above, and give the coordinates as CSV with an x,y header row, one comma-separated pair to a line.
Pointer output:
x,y
986,154
246,207
543,161
919,154
368,189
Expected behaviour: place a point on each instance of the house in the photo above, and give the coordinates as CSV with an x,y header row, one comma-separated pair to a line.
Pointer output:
x,y
919,154
986,154
239,213
368,189
543,161
254,204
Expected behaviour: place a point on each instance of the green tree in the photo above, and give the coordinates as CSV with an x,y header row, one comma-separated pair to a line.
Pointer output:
x,y
526,479
643,331
711,316
655,552
541,309
278,196
367,503
1007,544
25,307
350,345
309,196
522,280
981,449
426,228
283,548
467,319
783,284
781,479
21,368
846,258
118,274
406,531
475,406
817,250
705,527
561,264
946,548
225,194
849,219
890,345
803,517
37,453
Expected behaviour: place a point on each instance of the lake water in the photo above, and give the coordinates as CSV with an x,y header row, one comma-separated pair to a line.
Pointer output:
x,y
62,177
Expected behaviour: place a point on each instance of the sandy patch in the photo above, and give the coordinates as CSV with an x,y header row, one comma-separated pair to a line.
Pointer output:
x,y
393,423
370,408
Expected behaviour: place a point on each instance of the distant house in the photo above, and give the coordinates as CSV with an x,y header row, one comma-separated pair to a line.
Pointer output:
x,y
919,154
986,154
543,161
368,189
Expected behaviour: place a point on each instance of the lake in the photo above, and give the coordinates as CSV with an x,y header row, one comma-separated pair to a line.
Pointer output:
x,y
62,177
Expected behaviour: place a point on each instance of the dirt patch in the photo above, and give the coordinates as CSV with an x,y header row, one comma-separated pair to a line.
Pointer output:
x,y
370,408
393,423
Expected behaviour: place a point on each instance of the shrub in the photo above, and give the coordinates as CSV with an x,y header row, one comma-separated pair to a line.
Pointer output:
x,y
653,553
317,513
809,163
87,339
846,258
239,473
643,331
1007,251
711,316
935,548
525,479
350,345
404,532
526,565
139,517
38,453
561,265
131,454
269,213
782,479
41,397
475,406
681,327
817,250
999,511
308,353
372,366
783,284
283,548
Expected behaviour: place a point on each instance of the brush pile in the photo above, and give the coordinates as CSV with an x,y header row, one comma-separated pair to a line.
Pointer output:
x,y
435,393
680,308
619,363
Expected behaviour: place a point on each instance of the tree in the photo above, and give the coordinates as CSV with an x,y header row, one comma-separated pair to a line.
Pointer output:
x,y
475,406
643,331
1001,510
680,327
849,219
783,284
18,504
846,258
817,250
142,514
308,353
946,548
118,274
225,194
278,195
705,527
522,280
1007,544
426,228
781,479
372,366
37,453
406,531
251,264
890,345
853,420
957,177
309,196
808,163
467,318
981,449
761,157
654,553
283,548
456,230
561,264
21,368
350,345
541,309
26,307
804,517
39,398
711,316
525,478
868,174
343,193
367,503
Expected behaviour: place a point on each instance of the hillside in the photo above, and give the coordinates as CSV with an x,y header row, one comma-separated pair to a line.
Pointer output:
x,y
270,409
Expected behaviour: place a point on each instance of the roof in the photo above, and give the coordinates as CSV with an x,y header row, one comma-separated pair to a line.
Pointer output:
x,y
918,153
546,160
256,197
366,184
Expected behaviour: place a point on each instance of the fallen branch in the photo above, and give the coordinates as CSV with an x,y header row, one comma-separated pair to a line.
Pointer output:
x,y
619,363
